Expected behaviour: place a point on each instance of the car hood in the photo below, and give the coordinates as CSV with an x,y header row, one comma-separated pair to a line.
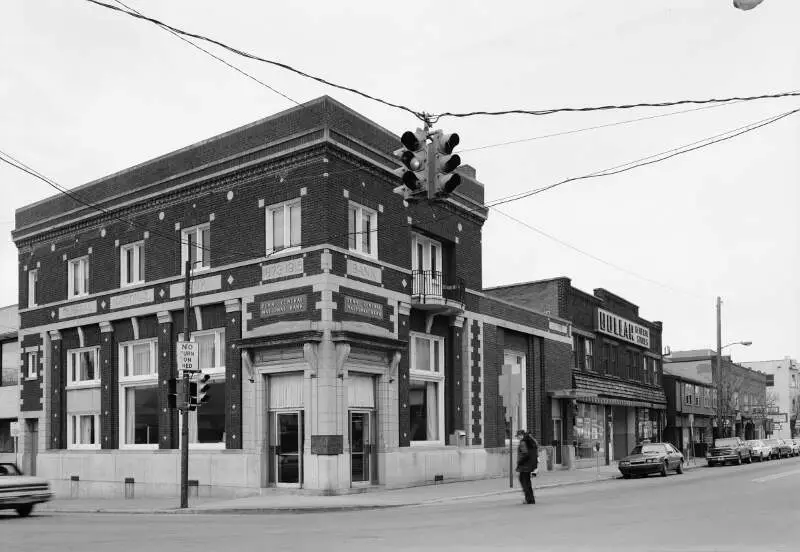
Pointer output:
x,y
18,480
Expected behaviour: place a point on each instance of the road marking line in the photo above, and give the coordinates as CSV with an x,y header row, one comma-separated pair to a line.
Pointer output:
x,y
775,476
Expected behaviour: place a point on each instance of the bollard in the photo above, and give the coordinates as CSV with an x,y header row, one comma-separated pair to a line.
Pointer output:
x,y
194,488
74,486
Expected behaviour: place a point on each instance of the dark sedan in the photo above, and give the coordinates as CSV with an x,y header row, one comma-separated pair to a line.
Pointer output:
x,y
650,458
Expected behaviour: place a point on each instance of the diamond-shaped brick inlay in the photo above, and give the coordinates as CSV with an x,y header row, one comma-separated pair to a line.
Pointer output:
x,y
230,280
102,304
52,314
161,293
404,282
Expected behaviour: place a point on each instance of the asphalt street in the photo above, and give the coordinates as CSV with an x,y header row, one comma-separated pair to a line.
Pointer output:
x,y
751,508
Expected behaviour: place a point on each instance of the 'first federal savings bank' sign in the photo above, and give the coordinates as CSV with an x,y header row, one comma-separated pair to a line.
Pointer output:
x,y
611,324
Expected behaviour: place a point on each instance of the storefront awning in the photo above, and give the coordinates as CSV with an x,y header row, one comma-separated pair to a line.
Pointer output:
x,y
622,402
571,394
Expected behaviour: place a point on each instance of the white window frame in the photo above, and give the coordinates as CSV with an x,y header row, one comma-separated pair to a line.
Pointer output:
x,y
687,394
138,259
427,255
588,353
271,247
72,265
361,211
432,376
33,365
33,287
74,418
77,384
126,382
195,231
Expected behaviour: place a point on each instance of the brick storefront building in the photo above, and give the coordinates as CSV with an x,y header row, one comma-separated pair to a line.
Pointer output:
x,y
345,332
611,396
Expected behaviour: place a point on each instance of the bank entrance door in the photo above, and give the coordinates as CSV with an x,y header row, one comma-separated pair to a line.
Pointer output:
x,y
287,448
361,447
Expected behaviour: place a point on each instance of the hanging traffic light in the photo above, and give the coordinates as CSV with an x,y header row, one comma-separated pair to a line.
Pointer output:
x,y
192,396
202,391
414,158
445,162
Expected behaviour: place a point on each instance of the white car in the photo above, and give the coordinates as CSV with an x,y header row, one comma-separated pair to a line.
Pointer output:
x,y
21,492
795,444
761,451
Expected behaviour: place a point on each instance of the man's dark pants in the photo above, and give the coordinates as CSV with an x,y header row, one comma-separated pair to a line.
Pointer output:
x,y
525,481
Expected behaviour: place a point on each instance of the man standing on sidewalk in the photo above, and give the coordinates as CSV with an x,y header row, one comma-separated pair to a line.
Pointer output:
x,y
527,463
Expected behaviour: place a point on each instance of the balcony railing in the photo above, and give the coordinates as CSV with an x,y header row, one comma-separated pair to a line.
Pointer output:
x,y
431,284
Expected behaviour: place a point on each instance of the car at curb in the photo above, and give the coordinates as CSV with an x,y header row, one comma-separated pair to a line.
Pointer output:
x,y
729,449
21,492
795,444
759,449
648,458
780,448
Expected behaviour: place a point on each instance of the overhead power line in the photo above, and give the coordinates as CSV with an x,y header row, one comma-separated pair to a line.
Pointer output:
x,y
651,159
433,117
259,58
213,55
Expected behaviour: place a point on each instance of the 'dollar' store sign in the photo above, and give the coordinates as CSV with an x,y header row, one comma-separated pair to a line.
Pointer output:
x,y
611,324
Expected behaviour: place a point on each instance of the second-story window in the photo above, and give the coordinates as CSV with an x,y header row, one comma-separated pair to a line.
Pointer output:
x,y
687,394
362,229
196,247
33,285
589,358
33,365
283,226
78,274
82,366
132,264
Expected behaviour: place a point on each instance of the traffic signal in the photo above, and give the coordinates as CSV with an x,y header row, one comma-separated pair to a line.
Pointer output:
x,y
192,396
172,393
414,158
202,391
445,163
746,4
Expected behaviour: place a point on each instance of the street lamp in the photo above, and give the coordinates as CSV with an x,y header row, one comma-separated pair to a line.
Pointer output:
x,y
719,363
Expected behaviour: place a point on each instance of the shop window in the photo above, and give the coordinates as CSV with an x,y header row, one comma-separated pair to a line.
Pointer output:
x,y
207,423
426,389
138,396
283,226
78,277
196,247
590,430
82,367
131,264
362,224
83,431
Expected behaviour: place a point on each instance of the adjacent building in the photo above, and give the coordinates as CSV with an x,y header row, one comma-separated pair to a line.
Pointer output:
x,y
9,382
691,408
346,334
611,395
739,394
783,395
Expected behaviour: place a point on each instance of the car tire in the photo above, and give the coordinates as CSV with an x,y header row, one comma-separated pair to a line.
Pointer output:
x,y
25,511
679,469
750,458
663,471
626,476
739,460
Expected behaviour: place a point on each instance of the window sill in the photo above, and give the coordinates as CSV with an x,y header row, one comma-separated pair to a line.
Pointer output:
x,y
78,297
428,444
206,446
134,448
31,378
83,385
131,285
83,447
366,256
194,271
283,252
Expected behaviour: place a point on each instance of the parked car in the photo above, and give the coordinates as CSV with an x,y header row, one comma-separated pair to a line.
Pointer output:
x,y
650,458
21,492
759,449
729,449
795,443
780,449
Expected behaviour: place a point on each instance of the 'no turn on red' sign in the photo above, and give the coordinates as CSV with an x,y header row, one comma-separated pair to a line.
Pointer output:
x,y
187,356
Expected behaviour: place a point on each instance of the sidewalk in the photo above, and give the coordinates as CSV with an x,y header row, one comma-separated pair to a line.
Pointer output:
x,y
279,503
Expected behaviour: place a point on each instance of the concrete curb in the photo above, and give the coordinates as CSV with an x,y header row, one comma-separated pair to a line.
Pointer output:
x,y
314,509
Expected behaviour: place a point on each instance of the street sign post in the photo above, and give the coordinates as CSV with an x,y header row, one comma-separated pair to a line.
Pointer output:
x,y
187,357
14,429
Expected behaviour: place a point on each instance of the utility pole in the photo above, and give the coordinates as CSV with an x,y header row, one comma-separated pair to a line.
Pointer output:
x,y
720,421
185,391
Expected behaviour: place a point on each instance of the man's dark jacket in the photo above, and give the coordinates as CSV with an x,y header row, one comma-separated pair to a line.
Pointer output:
x,y
527,455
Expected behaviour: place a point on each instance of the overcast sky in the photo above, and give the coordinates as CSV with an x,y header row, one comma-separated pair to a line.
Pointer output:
x,y
85,92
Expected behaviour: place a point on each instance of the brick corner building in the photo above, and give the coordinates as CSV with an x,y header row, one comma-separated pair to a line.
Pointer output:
x,y
346,334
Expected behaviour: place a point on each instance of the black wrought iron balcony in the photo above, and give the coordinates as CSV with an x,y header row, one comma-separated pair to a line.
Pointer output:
x,y
429,287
